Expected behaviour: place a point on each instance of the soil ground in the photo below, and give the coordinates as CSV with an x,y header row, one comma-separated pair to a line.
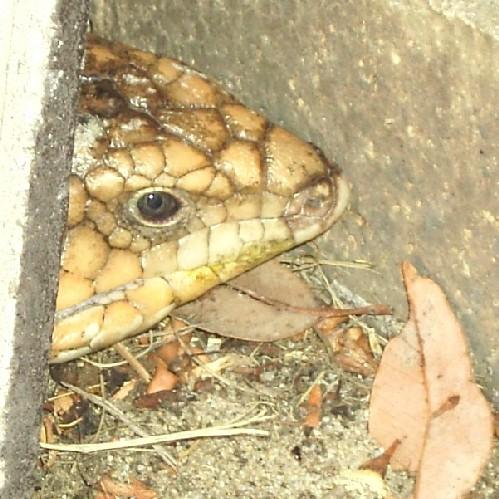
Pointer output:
x,y
292,461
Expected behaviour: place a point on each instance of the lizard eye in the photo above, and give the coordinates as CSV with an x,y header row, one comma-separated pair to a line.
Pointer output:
x,y
157,206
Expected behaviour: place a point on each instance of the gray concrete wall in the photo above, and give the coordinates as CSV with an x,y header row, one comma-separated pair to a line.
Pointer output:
x,y
402,94
38,67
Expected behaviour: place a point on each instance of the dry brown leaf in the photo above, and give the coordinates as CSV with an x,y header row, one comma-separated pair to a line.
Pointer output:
x,y
47,435
162,380
69,410
63,403
141,491
380,463
424,396
350,349
314,404
47,432
169,351
267,303
231,313
328,325
136,489
153,400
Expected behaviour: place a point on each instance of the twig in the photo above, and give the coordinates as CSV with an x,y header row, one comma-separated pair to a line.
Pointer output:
x,y
156,439
113,410
102,386
310,261
376,309
134,363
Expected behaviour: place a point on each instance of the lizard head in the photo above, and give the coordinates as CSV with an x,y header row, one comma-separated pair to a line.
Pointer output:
x,y
175,188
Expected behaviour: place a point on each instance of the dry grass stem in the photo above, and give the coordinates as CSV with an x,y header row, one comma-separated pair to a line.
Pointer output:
x,y
114,411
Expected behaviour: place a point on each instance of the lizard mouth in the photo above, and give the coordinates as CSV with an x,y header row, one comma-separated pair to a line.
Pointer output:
x,y
316,207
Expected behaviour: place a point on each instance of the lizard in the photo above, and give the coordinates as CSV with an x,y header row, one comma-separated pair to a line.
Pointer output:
x,y
175,187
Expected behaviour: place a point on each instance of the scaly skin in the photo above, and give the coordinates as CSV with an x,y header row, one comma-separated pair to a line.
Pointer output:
x,y
175,188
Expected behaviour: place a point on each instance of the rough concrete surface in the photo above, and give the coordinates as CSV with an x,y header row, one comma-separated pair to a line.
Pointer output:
x,y
402,94
38,62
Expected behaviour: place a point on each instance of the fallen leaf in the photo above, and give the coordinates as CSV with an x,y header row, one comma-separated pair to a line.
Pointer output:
x,y
380,463
162,380
255,306
63,403
350,349
135,488
154,400
424,396
328,325
233,314
141,491
47,433
313,405
169,351
69,410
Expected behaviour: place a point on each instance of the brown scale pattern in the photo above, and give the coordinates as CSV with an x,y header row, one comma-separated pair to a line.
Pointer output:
x,y
242,189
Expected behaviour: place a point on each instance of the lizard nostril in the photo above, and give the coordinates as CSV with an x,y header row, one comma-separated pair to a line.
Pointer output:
x,y
315,200
313,204
319,195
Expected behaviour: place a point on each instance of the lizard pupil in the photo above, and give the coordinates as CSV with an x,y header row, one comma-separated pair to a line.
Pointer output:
x,y
157,206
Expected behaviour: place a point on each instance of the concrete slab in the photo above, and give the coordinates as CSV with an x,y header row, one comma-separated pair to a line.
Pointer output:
x,y
38,66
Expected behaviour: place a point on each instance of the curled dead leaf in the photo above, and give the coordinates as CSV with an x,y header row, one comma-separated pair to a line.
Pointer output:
x,y
162,380
169,352
328,325
350,349
380,463
313,405
63,403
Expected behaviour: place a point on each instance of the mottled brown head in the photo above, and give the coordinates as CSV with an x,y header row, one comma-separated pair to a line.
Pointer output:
x,y
176,187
